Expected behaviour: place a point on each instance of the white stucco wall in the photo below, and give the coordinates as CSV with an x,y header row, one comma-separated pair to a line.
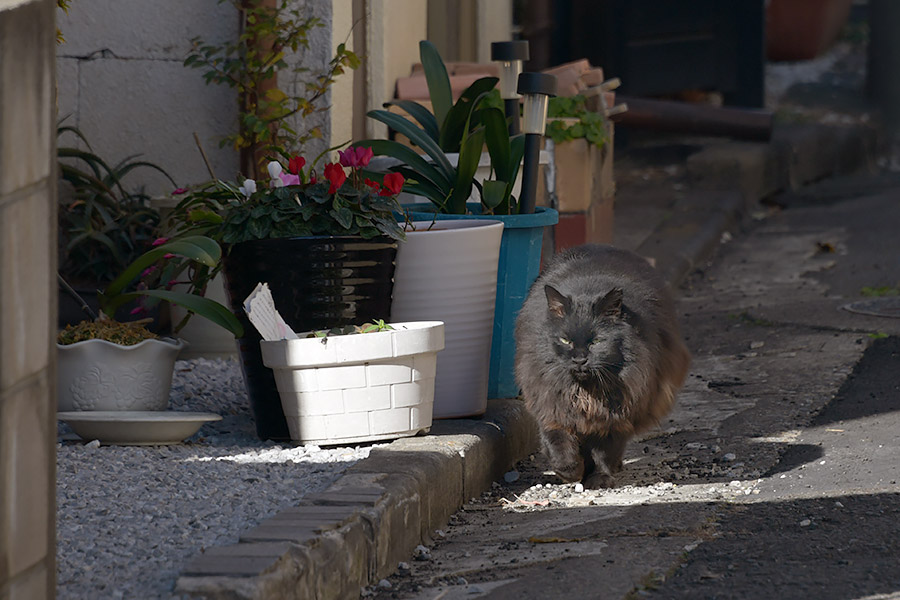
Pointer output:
x,y
122,83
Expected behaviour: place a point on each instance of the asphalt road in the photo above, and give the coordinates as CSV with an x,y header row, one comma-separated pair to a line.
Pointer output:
x,y
776,476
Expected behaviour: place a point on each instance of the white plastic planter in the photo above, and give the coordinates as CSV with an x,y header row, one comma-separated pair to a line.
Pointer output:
x,y
365,387
100,375
449,273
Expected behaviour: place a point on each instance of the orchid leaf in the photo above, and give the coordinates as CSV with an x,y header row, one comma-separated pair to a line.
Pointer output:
x,y
437,79
410,157
206,308
469,156
416,135
421,114
456,125
494,193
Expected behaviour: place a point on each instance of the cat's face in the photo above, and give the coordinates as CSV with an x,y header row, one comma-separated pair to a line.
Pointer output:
x,y
587,337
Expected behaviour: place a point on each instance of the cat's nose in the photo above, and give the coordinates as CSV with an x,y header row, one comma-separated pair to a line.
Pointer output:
x,y
580,360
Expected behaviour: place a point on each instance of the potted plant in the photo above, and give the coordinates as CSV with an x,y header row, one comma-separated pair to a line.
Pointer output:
x,y
358,383
103,225
324,242
447,271
106,364
584,183
447,192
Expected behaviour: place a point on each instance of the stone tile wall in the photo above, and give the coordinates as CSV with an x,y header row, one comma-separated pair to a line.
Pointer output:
x,y
27,300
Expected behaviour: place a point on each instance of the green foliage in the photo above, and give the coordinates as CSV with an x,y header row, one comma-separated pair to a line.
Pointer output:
x,y
64,6
293,211
102,225
453,127
375,327
251,65
591,125
880,291
152,270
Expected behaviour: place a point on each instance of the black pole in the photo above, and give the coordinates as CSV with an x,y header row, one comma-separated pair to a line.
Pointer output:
x,y
511,108
530,173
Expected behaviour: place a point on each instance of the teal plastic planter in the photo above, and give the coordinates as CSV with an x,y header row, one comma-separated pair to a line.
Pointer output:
x,y
520,263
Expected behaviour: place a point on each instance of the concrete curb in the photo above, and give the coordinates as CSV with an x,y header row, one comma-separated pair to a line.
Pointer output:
x,y
356,531
372,518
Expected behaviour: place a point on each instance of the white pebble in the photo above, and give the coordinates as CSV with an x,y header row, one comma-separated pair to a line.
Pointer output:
x,y
384,584
805,523
729,457
579,487
93,444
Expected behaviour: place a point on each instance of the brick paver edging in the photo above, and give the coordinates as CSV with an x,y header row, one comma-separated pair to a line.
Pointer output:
x,y
370,519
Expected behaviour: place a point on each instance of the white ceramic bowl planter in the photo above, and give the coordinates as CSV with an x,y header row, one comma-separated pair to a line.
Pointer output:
x,y
100,375
449,273
357,388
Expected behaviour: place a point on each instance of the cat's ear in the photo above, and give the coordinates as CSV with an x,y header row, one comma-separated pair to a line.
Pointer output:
x,y
609,305
558,304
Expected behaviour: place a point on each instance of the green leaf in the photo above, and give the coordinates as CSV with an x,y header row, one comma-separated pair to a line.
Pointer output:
x,y
420,114
343,216
493,193
469,156
404,153
496,136
416,135
437,79
204,307
456,125
197,248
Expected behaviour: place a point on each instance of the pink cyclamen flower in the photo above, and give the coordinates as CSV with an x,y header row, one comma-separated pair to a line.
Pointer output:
x,y
138,310
356,157
179,191
168,255
159,241
289,179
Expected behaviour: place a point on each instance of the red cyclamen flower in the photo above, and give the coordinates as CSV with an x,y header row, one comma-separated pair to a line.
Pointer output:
x,y
393,184
296,164
335,174
372,184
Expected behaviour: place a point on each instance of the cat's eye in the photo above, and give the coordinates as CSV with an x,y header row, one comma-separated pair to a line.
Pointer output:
x,y
564,341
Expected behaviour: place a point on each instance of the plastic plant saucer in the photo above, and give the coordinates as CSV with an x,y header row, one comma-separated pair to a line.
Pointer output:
x,y
136,428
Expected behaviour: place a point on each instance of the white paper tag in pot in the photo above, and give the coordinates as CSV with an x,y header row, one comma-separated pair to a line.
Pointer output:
x,y
260,308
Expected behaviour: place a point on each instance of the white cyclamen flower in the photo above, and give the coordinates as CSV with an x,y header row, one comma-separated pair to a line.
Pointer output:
x,y
248,188
274,168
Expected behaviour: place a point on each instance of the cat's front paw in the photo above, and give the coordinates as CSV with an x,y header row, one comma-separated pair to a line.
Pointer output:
x,y
571,472
600,481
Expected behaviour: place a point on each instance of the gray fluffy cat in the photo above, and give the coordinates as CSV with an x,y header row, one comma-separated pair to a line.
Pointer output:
x,y
599,358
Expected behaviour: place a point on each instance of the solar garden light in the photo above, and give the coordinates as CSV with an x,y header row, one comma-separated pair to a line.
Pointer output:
x,y
510,55
537,89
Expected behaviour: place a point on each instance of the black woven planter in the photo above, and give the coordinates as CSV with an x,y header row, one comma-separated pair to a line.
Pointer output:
x,y
316,283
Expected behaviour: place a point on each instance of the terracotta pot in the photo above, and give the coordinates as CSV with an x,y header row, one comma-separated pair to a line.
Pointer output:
x,y
803,29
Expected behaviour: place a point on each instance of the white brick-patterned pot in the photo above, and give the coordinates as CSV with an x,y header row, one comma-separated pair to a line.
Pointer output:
x,y
355,388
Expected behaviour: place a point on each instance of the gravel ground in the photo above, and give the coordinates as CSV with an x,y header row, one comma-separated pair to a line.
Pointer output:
x,y
128,517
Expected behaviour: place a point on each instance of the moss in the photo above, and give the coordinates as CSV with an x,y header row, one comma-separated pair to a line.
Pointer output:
x,y
124,334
